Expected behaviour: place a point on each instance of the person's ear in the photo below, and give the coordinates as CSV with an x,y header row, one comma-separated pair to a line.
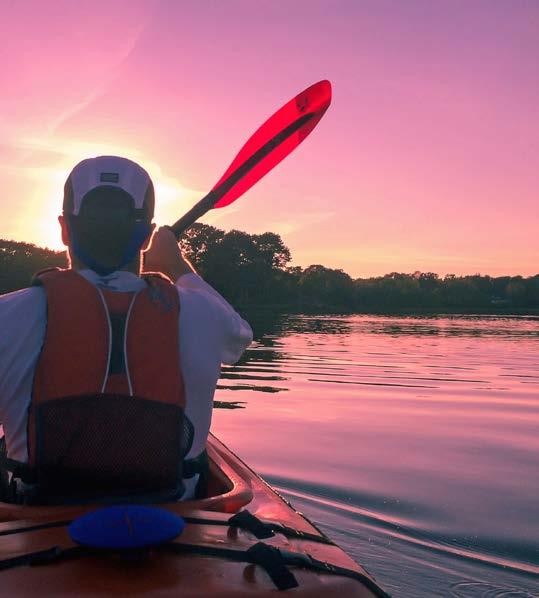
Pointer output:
x,y
65,231
146,243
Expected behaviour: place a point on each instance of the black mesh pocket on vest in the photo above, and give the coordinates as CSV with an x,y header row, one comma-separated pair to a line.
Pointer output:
x,y
108,444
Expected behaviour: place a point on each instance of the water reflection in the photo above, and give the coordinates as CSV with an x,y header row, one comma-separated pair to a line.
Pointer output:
x,y
270,327
229,404
238,374
251,387
274,326
280,355
412,441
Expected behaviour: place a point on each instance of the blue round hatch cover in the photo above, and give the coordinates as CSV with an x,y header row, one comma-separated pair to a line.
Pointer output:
x,y
124,527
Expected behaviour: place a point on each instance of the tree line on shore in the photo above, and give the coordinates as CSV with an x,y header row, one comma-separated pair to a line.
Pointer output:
x,y
254,270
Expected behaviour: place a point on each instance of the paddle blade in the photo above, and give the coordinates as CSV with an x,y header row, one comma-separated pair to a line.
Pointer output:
x,y
305,110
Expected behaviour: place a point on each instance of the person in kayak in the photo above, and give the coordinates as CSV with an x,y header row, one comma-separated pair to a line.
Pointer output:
x,y
107,375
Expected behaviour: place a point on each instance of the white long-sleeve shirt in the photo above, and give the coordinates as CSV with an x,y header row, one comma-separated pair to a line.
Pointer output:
x,y
211,333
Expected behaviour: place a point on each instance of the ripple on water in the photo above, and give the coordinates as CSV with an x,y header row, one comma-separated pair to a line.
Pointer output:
x,y
408,522
411,441
479,589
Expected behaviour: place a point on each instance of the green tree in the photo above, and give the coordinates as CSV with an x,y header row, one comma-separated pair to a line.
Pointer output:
x,y
272,251
254,270
320,285
516,291
20,261
198,244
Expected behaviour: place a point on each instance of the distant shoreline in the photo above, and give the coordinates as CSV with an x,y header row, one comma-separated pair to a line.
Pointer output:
x,y
412,311
251,272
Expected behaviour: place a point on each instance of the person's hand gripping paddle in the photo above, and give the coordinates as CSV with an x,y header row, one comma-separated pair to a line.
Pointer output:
x,y
270,144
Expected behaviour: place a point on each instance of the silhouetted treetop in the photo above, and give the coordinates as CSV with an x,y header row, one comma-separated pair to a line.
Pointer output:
x,y
20,261
254,270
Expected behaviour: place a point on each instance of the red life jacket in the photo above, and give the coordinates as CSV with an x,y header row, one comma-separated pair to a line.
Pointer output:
x,y
107,411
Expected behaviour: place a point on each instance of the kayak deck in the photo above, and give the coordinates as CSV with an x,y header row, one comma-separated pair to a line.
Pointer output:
x,y
207,559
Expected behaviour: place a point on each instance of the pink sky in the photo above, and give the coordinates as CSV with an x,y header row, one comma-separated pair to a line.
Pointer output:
x,y
427,160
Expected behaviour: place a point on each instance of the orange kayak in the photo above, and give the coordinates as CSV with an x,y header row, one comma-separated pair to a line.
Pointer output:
x,y
243,539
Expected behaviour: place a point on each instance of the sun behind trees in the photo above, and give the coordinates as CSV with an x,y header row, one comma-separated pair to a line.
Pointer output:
x,y
253,270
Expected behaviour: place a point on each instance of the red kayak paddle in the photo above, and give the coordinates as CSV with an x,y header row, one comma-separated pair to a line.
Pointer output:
x,y
271,143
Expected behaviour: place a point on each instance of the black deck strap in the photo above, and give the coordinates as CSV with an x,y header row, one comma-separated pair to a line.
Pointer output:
x,y
243,520
271,559
306,561
266,556
290,532
56,554
65,523
247,521
267,529
40,556
34,528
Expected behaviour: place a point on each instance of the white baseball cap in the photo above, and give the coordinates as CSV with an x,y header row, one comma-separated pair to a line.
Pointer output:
x,y
108,171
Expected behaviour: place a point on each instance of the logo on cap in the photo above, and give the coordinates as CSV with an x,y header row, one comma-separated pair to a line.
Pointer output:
x,y
109,177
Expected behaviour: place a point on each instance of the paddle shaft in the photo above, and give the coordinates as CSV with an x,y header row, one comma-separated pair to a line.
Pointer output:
x,y
209,201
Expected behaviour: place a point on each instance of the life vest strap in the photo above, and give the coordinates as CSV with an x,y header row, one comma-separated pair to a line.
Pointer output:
x,y
196,465
36,278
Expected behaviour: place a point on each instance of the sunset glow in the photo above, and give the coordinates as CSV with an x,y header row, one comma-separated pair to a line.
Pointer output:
x,y
427,160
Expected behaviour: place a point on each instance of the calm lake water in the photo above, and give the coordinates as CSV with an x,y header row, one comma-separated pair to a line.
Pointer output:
x,y
412,441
